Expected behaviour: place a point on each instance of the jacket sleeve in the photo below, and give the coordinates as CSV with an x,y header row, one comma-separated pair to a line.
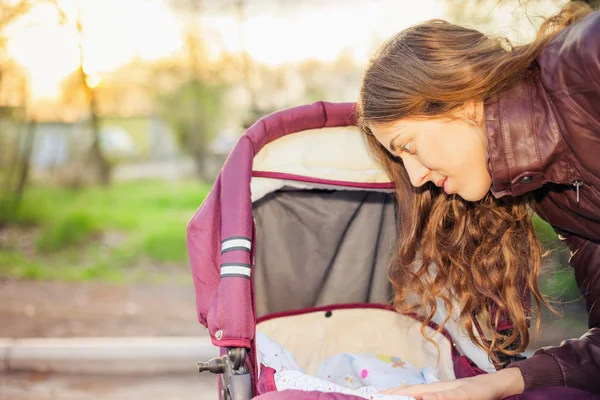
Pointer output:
x,y
576,362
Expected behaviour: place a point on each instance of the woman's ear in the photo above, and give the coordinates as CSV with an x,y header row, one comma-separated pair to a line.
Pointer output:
x,y
469,111
472,111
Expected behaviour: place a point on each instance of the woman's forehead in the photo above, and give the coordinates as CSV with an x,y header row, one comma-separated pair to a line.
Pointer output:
x,y
387,133
387,128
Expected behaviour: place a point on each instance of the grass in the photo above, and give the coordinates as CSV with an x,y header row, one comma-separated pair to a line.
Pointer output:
x,y
76,228
546,234
114,234
100,234
558,282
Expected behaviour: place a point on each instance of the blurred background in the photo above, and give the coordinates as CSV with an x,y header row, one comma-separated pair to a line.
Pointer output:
x,y
116,116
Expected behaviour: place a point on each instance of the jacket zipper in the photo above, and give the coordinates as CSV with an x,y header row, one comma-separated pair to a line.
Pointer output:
x,y
577,184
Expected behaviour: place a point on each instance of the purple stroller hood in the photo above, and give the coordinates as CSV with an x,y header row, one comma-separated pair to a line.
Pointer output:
x,y
220,234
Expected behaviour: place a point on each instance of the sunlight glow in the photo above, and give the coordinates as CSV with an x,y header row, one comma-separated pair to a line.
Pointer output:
x,y
49,52
320,32
116,32
93,80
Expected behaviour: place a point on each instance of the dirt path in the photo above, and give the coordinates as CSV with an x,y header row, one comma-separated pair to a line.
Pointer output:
x,y
37,386
56,309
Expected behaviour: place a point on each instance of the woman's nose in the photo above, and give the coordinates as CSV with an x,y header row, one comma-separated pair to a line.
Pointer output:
x,y
417,172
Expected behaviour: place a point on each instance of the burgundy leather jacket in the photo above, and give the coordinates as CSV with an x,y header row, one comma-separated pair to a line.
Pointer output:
x,y
544,137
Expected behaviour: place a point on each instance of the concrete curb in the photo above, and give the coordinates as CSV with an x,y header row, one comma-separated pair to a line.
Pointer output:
x,y
121,355
108,356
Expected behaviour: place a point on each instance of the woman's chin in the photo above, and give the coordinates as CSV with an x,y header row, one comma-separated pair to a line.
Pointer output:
x,y
471,195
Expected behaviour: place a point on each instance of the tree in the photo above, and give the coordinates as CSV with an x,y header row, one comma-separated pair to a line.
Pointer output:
x,y
486,15
16,144
16,131
193,109
99,165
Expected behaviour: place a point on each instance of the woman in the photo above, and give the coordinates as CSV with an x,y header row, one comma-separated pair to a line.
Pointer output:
x,y
481,133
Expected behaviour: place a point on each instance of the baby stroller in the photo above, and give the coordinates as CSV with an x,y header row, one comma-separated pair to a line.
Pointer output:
x,y
293,242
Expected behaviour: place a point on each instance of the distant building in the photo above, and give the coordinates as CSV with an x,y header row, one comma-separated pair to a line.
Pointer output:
x,y
122,139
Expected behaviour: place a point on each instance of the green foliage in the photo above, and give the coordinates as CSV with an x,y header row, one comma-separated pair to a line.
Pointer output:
x,y
16,146
546,234
12,212
114,233
557,282
29,213
136,127
60,267
561,285
167,244
194,112
75,229
111,233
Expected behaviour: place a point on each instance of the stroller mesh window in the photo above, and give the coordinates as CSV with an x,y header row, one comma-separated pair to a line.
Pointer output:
x,y
321,247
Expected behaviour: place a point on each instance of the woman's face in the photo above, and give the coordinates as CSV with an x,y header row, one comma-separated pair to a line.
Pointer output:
x,y
451,153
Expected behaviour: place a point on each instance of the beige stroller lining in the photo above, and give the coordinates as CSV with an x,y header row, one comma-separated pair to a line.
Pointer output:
x,y
313,337
336,154
327,153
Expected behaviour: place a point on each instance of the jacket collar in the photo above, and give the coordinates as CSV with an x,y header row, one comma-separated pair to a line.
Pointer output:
x,y
525,147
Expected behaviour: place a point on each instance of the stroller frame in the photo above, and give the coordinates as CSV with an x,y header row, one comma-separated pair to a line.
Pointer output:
x,y
221,250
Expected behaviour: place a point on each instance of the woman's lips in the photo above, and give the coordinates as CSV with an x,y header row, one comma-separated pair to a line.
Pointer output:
x,y
444,186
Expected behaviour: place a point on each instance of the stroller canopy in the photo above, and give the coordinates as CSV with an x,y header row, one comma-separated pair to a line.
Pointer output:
x,y
262,243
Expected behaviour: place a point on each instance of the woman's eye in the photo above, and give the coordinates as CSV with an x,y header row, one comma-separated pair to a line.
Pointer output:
x,y
406,147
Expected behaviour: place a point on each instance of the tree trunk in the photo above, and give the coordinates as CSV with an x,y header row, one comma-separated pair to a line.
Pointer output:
x,y
25,164
100,164
17,175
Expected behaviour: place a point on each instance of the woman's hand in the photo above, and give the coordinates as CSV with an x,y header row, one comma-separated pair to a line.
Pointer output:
x,y
494,386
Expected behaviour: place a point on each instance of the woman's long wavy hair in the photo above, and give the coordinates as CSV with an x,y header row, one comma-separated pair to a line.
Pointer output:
x,y
481,257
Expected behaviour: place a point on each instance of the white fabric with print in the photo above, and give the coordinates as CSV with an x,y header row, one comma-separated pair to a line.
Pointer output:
x,y
363,375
